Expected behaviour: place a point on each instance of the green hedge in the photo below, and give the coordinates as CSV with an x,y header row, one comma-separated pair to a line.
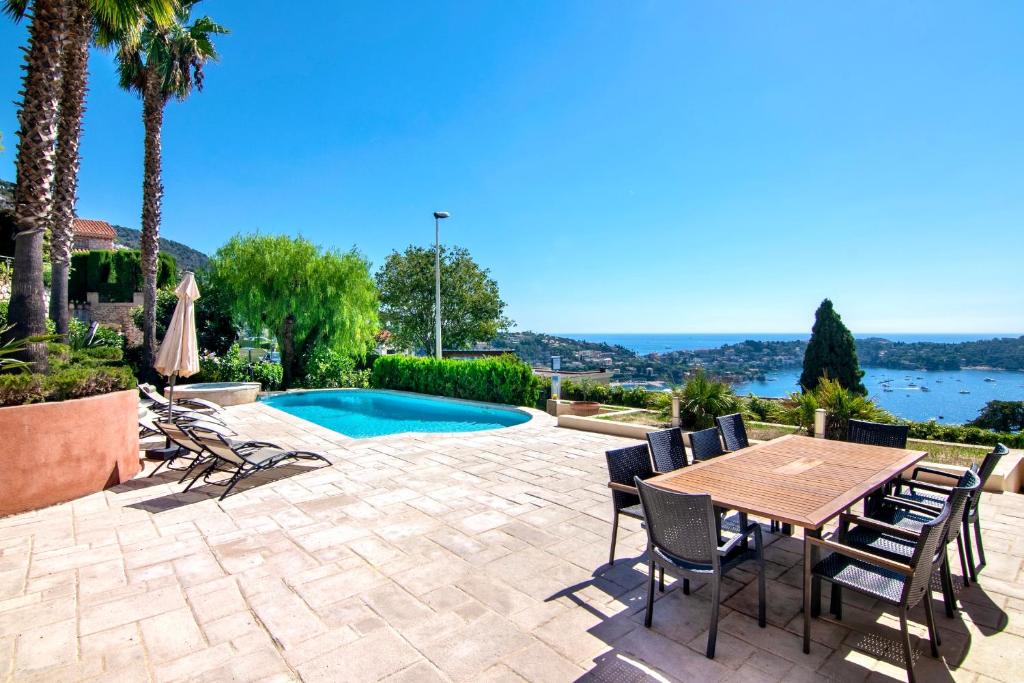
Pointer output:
x,y
637,397
963,434
504,379
115,275
63,384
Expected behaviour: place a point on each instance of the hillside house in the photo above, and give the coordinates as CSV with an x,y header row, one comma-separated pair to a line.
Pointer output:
x,y
89,234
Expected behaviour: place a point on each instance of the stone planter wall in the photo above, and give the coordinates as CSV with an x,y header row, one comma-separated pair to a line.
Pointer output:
x,y
55,452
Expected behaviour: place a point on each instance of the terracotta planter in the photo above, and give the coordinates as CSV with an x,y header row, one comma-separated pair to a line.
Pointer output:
x,y
585,408
55,452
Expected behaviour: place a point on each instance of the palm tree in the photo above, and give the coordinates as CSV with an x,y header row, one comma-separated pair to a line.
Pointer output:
x,y
165,62
108,20
37,132
702,399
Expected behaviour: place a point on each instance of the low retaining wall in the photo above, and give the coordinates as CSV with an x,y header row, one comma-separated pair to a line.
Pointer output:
x,y
1008,475
56,452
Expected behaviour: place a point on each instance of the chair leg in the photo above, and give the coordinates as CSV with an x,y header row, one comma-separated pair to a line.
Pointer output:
x,y
661,579
963,560
200,473
615,534
650,595
933,633
235,478
686,586
716,589
836,601
948,595
971,567
977,539
908,653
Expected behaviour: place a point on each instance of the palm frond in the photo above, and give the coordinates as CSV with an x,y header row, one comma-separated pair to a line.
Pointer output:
x,y
15,9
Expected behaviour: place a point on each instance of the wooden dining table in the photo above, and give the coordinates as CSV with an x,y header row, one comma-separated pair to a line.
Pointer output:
x,y
797,480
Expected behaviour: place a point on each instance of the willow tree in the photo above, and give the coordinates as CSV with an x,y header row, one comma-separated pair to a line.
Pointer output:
x,y
109,21
831,353
303,295
165,62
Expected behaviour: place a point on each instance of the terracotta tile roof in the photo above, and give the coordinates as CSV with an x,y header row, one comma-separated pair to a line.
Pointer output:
x,y
87,228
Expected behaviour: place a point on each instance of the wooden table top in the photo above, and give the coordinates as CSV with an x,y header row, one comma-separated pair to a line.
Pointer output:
x,y
795,479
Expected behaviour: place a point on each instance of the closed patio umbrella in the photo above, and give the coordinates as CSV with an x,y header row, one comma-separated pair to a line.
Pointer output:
x,y
179,351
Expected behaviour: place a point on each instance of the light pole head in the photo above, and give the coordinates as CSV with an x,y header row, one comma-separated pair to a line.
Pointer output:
x,y
441,214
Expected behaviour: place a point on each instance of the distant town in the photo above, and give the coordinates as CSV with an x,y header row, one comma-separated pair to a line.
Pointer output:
x,y
751,359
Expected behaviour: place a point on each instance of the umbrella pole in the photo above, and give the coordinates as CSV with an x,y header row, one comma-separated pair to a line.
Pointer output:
x,y
170,397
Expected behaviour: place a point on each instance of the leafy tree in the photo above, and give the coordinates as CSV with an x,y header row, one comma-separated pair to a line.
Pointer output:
x,y
471,307
702,399
831,352
303,295
215,329
1001,416
164,62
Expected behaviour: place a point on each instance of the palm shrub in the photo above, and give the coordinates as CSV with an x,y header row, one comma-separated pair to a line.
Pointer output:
x,y
702,399
760,409
798,409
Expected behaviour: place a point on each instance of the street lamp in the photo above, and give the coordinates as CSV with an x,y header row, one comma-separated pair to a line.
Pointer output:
x,y
438,216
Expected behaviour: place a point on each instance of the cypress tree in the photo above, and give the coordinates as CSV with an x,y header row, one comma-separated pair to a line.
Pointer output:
x,y
831,351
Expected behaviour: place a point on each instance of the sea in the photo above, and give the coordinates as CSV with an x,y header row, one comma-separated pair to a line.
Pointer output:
x,y
945,396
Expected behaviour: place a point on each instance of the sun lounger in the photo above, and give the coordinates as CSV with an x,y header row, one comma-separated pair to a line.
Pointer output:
x,y
240,460
195,404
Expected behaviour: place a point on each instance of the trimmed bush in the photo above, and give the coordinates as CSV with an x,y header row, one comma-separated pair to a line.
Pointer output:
x,y
325,368
231,367
504,379
933,431
115,275
64,383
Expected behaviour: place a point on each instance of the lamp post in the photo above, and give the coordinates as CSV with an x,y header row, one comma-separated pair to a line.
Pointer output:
x,y
438,216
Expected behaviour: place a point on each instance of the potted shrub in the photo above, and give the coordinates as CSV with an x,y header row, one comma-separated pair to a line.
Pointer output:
x,y
68,433
585,408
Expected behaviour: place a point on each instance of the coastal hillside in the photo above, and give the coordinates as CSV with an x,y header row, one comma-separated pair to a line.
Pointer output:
x,y
187,257
753,359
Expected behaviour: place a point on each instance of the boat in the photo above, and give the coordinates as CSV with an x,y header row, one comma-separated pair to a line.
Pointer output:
x,y
911,386
989,379
887,390
965,391
938,381
923,388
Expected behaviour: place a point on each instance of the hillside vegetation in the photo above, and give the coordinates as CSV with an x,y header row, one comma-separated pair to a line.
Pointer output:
x,y
187,257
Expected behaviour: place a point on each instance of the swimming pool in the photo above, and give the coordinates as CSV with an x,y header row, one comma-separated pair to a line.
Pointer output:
x,y
361,413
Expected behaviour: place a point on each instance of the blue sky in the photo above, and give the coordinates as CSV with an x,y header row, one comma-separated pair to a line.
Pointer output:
x,y
647,166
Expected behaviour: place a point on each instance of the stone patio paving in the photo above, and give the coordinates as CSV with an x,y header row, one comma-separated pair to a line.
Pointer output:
x,y
428,557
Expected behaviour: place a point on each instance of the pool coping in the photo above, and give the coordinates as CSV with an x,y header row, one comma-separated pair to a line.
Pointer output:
x,y
537,417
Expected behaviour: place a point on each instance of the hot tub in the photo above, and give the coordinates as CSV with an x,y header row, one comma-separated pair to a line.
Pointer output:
x,y
221,393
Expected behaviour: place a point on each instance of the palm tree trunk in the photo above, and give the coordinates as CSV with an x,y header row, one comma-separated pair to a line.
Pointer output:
x,y
65,186
153,103
36,137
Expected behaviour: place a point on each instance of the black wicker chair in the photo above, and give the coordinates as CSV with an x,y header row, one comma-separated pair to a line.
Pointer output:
x,y
901,584
877,434
706,444
896,541
734,434
624,466
667,449
683,537
934,495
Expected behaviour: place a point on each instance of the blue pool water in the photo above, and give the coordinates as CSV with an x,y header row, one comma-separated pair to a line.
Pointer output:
x,y
361,413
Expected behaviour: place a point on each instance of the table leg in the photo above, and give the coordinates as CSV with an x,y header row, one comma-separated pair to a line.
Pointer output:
x,y
811,559
743,530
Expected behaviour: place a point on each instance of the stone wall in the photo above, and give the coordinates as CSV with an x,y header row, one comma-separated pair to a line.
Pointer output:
x,y
115,315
